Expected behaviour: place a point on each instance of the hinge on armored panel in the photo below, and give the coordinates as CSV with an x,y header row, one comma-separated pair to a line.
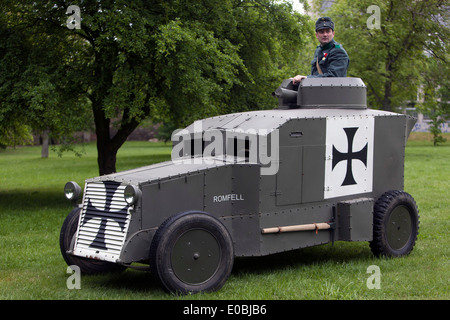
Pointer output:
x,y
327,158
333,226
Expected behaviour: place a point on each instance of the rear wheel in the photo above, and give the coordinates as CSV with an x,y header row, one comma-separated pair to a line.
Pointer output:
x,y
192,252
395,224
87,266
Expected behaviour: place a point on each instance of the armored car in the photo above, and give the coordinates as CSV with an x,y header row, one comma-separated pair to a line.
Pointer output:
x,y
322,167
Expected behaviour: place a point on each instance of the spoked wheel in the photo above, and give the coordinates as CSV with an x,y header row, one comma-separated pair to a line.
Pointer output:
x,y
87,266
192,252
395,224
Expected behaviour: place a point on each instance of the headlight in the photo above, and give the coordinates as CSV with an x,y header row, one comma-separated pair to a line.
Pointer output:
x,y
72,191
131,194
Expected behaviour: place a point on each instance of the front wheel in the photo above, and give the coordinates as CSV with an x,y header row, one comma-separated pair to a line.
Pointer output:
x,y
192,252
87,266
395,224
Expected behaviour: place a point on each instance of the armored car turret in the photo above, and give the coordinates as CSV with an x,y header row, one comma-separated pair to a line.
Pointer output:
x,y
320,168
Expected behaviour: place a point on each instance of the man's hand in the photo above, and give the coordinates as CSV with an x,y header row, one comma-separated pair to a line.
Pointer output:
x,y
297,79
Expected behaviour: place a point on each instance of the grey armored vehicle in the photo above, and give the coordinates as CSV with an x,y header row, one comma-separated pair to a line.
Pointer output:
x,y
322,167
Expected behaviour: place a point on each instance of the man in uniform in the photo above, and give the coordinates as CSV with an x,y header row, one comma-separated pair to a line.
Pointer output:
x,y
330,58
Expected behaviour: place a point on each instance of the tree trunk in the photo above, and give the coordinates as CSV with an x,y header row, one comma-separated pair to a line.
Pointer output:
x,y
108,146
44,151
106,157
387,95
386,103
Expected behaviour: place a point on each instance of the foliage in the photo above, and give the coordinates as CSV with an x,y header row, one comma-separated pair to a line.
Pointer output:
x,y
172,61
35,83
436,97
15,134
165,131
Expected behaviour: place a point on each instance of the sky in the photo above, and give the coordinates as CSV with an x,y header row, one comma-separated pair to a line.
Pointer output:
x,y
297,6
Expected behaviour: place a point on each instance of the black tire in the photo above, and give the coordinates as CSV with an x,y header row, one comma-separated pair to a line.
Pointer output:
x,y
395,224
191,252
87,266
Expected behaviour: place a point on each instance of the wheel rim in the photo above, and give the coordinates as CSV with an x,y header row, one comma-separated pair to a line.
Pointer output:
x,y
399,228
195,256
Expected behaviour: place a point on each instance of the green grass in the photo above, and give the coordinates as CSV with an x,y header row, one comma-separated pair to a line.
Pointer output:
x,y
33,208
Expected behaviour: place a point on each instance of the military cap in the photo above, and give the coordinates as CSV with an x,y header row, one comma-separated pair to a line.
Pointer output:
x,y
324,23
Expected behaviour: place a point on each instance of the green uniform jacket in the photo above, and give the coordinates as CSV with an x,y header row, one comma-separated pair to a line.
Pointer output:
x,y
333,60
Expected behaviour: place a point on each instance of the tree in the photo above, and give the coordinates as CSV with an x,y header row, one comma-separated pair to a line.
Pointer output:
x,y
389,56
173,60
35,83
15,134
435,100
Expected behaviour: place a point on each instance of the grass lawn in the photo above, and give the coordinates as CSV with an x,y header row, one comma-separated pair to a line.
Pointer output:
x,y
33,208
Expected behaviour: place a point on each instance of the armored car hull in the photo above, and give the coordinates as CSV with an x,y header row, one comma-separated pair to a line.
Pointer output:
x,y
251,184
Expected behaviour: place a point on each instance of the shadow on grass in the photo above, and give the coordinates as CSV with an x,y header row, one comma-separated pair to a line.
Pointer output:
x,y
143,282
29,200
316,256
129,283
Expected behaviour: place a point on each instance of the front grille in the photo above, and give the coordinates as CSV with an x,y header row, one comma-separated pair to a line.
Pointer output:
x,y
104,221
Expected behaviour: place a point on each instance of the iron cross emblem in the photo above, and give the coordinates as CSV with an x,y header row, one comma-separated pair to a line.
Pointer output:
x,y
93,213
349,156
